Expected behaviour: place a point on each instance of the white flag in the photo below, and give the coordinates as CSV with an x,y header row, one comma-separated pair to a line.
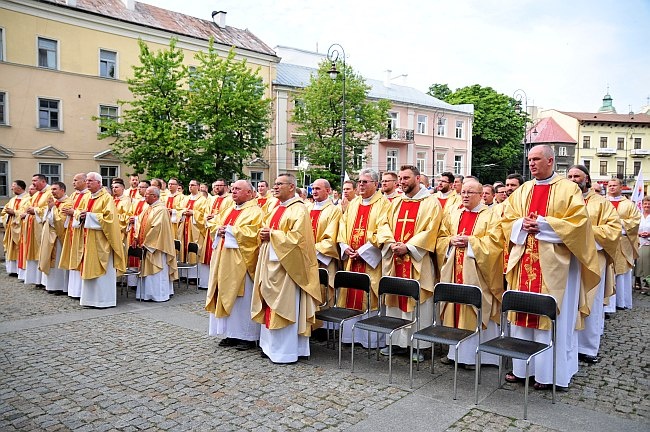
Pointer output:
x,y
637,193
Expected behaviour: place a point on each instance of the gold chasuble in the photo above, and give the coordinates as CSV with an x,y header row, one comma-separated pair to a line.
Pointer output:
x,y
229,266
276,280
452,200
414,222
172,202
359,225
217,206
480,267
32,228
98,244
50,235
13,225
542,266
628,246
155,234
325,218
191,229
72,248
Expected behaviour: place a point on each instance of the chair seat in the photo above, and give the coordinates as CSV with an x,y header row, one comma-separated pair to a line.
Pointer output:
x,y
512,347
382,324
131,272
442,334
337,315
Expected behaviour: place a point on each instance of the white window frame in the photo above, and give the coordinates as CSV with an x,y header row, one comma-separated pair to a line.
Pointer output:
x,y
3,45
297,158
421,161
107,179
4,103
459,129
458,164
38,53
101,115
422,124
561,151
254,180
393,118
50,176
636,167
440,163
441,127
59,111
392,156
114,61
4,176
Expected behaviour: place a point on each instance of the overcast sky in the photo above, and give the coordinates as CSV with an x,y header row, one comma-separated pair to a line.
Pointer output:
x,y
562,53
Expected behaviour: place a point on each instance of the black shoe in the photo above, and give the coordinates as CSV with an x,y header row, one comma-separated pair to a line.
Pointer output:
x,y
620,308
319,335
608,315
244,345
192,281
13,275
303,358
588,359
228,342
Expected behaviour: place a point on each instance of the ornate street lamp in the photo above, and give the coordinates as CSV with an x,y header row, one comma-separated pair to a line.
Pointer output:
x,y
333,53
520,96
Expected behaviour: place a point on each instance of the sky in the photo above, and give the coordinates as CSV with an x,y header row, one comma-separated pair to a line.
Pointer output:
x,y
564,54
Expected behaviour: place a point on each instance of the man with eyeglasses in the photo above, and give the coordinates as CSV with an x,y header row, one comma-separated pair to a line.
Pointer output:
x,y
553,253
360,248
103,250
500,195
408,233
446,194
469,250
389,185
217,205
154,233
192,229
172,202
232,270
286,290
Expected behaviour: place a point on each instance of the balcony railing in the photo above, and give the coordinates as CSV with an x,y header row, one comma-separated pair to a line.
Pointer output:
x,y
397,134
639,152
605,151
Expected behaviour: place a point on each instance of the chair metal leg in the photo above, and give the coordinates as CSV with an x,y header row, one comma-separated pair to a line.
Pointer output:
x,y
390,358
352,349
433,354
526,391
477,373
455,368
554,367
340,342
411,363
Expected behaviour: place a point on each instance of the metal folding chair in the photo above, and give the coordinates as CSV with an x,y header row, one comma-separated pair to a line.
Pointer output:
x,y
139,253
184,265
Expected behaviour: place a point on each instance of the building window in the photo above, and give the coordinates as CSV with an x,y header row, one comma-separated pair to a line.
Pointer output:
x,y
620,143
620,169
637,143
4,178
459,129
108,173
52,171
256,177
637,168
391,160
458,164
106,112
2,44
3,108
440,163
393,121
603,142
107,64
586,142
442,127
587,164
561,151
47,53
421,162
48,114
422,124
357,158
297,158
603,168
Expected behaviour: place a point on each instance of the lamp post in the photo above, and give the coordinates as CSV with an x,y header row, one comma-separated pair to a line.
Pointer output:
x,y
520,96
333,53
438,115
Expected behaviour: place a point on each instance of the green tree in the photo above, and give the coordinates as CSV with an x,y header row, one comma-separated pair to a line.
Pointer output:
x,y
440,91
318,115
151,134
229,115
497,131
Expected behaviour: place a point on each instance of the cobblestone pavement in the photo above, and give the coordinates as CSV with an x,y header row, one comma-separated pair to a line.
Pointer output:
x,y
145,366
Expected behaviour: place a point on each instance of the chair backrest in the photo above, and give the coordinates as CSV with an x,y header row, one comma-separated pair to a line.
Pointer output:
x,y
458,293
527,302
193,248
399,286
136,252
352,280
323,276
177,245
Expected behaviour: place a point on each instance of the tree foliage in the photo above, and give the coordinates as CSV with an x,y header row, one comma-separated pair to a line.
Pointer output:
x,y
318,115
198,124
440,91
498,130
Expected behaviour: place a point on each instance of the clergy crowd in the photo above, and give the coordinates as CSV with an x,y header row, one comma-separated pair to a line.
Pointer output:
x,y
258,253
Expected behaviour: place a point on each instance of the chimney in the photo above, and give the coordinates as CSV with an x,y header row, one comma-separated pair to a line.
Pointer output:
x,y
387,78
219,18
128,4
71,3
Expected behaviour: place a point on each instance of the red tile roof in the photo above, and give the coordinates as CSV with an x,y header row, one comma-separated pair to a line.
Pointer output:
x,y
174,22
609,118
549,131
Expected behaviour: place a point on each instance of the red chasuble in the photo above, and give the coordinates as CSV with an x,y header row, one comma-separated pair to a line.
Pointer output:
x,y
404,230
530,276
443,202
314,215
170,202
275,223
355,297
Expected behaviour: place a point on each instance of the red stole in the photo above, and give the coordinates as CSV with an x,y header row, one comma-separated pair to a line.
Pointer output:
x,y
186,227
314,215
404,230
261,201
21,251
530,276
116,201
170,202
30,218
89,208
133,261
443,201
466,226
217,203
132,193
275,223
355,297
615,204
230,220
